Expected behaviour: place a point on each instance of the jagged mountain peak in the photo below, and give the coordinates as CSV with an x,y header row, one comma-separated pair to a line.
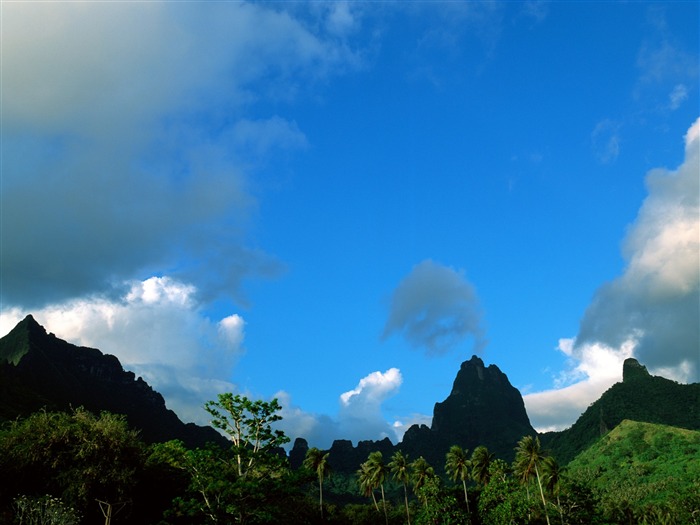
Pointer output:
x,y
483,408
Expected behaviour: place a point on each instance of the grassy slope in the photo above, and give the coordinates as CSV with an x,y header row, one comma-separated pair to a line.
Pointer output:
x,y
642,464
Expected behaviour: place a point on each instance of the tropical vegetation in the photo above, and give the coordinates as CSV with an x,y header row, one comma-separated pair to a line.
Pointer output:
x,y
66,468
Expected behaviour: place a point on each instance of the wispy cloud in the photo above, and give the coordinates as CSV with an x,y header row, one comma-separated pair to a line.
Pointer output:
x,y
605,140
677,97
663,62
536,10
435,308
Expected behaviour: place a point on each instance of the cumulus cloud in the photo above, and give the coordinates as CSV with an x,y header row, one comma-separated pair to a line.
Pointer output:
x,y
656,300
111,170
359,416
158,331
651,311
435,308
360,408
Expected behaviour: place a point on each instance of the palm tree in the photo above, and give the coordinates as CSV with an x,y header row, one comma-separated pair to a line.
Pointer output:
x,y
377,475
400,470
421,471
528,458
317,461
552,474
457,465
481,461
366,483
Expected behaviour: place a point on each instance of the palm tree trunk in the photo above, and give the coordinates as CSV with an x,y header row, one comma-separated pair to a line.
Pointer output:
x,y
466,498
320,494
386,517
561,511
544,503
374,499
405,498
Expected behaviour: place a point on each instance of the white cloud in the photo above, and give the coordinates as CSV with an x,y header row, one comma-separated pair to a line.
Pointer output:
x,y
656,300
158,331
359,416
651,311
360,413
594,368
435,308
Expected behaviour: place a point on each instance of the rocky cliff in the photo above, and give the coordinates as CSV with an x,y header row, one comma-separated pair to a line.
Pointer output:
x,y
39,370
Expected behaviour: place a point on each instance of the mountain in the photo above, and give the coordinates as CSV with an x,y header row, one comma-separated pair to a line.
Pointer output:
x,y
39,370
639,397
483,408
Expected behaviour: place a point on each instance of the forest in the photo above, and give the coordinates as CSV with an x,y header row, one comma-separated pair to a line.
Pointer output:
x,y
77,468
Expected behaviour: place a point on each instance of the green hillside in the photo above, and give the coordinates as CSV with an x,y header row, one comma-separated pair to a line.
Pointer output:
x,y
639,397
642,468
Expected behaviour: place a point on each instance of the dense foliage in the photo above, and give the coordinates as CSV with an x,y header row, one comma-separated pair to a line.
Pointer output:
x,y
77,457
57,467
646,471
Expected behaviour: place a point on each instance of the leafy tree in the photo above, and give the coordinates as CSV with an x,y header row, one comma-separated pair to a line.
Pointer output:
x,y
400,469
481,461
317,462
502,500
248,483
78,457
45,510
528,458
441,507
457,465
248,424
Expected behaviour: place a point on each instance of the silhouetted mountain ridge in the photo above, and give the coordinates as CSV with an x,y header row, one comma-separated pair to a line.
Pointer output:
x,y
39,370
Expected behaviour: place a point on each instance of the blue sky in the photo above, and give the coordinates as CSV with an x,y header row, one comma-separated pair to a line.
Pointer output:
x,y
336,203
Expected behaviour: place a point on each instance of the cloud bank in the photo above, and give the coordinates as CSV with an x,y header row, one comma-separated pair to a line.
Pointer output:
x,y
651,311
158,331
128,144
435,308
